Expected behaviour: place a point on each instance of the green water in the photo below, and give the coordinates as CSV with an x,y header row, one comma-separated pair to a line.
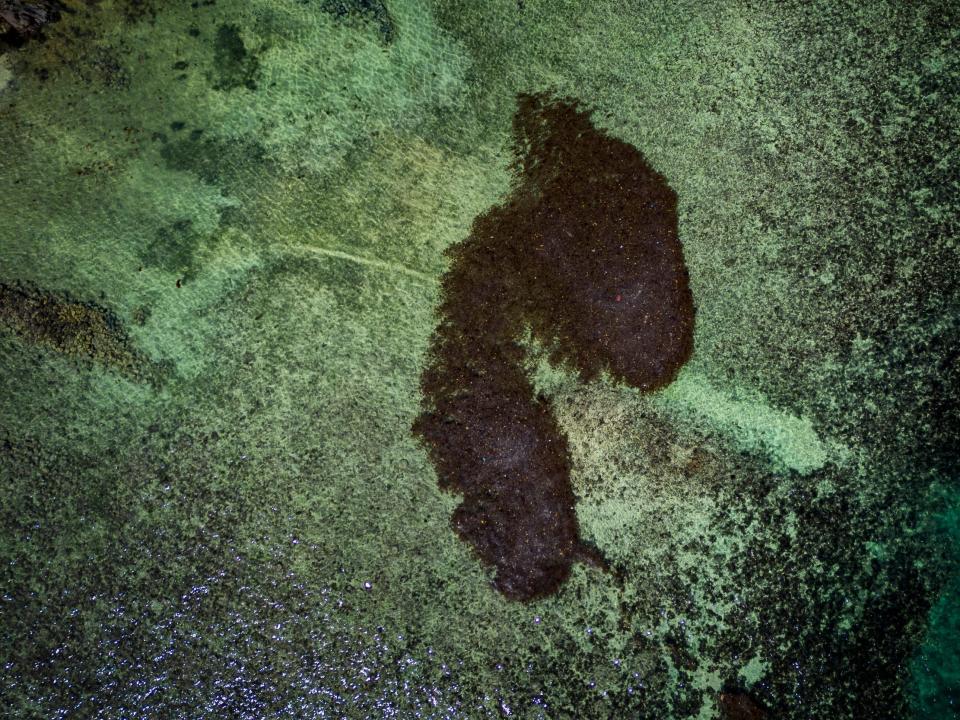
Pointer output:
x,y
935,667
260,193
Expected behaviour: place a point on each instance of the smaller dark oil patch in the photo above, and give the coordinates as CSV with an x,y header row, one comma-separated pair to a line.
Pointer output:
x,y
585,254
235,65
231,164
104,66
370,11
739,705
236,216
141,314
135,11
173,248
82,330
344,278
21,20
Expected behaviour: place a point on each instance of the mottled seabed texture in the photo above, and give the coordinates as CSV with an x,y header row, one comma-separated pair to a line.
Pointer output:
x,y
224,231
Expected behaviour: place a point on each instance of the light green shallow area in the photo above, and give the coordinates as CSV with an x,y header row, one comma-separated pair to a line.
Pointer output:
x,y
261,194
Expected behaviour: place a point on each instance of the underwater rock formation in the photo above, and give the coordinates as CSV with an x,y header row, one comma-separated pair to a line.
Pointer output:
x,y
26,19
585,255
81,330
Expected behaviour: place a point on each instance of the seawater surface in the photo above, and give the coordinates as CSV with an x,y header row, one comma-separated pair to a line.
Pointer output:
x,y
229,232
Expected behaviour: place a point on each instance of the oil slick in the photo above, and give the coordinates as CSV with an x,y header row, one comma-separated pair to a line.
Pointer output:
x,y
585,255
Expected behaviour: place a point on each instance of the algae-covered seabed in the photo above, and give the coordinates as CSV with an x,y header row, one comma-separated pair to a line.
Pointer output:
x,y
233,215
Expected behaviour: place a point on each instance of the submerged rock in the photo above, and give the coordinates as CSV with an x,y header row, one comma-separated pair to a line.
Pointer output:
x,y
26,19
77,329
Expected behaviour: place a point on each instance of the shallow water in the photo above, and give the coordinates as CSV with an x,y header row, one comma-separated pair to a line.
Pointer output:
x,y
229,221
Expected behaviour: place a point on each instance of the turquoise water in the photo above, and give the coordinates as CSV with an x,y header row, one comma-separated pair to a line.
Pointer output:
x,y
935,668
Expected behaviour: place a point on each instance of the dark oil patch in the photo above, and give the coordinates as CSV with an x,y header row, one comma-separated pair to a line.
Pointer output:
x,y
374,11
229,164
173,248
235,65
80,330
346,280
585,254
738,705
104,66
21,21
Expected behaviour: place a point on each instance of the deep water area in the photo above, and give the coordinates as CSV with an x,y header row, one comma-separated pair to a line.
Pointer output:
x,y
298,296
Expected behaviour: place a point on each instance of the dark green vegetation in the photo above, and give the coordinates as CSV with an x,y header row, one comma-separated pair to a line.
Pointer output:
x,y
82,331
235,66
373,11
261,536
585,254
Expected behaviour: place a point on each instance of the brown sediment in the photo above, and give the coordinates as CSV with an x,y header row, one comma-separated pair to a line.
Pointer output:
x,y
81,330
585,255
740,706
